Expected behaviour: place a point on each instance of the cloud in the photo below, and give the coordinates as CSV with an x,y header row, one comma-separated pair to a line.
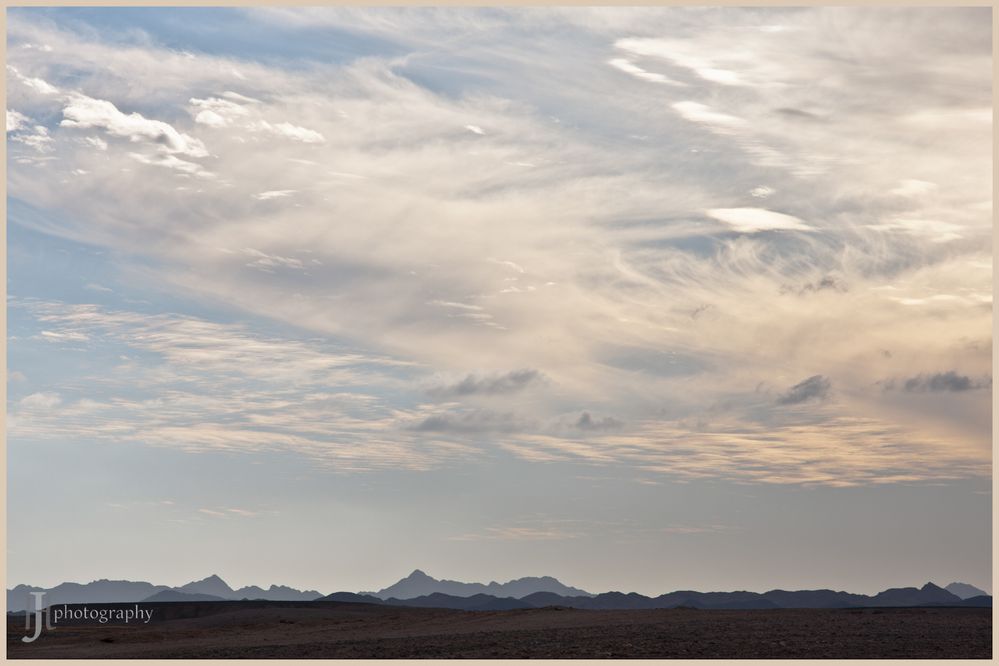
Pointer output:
x,y
217,112
518,533
40,140
172,162
912,187
273,194
267,262
702,113
202,386
609,226
683,55
943,381
471,422
832,451
37,85
16,121
241,112
587,422
815,387
631,68
753,220
935,230
288,131
475,129
496,384
41,401
96,142
86,112
826,283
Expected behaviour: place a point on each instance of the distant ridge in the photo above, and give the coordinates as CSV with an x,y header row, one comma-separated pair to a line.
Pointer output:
x,y
506,596
965,591
175,596
927,595
419,584
112,591
212,586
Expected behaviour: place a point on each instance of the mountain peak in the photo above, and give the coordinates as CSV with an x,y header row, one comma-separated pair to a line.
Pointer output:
x,y
965,591
213,585
418,584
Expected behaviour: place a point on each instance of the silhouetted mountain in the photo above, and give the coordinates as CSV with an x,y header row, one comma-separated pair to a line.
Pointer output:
x,y
619,600
476,602
352,598
542,599
720,600
213,585
214,588
111,591
174,595
419,584
982,601
275,593
928,594
965,591
815,599
98,591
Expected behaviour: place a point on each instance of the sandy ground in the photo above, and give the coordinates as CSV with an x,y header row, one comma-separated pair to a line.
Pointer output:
x,y
336,630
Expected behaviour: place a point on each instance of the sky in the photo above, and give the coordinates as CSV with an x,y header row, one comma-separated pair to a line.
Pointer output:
x,y
644,299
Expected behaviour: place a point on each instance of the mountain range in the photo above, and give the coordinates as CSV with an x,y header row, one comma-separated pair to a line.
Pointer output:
x,y
418,584
965,591
420,589
928,595
110,591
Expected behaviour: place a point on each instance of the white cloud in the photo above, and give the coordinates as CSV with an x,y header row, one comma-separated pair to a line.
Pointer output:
x,y
684,54
172,162
37,85
934,230
87,112
636,71
474,129
912,187
216,112
288,131
273,194
16,121
96,142
268,262
752,220
702,113
40,401
39,140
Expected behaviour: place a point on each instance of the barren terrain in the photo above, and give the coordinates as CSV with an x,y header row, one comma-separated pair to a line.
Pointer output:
x,y
344,630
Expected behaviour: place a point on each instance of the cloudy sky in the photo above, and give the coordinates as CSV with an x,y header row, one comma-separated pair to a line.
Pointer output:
x,y
643,299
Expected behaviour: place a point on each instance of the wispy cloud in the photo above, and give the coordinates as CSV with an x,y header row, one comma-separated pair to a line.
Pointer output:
x,y
533,226
494,384
815,387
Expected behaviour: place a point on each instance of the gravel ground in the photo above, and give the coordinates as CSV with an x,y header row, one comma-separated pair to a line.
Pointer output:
x,y
331,630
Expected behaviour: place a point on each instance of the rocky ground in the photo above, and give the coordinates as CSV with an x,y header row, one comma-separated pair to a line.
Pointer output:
x,y
342,630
